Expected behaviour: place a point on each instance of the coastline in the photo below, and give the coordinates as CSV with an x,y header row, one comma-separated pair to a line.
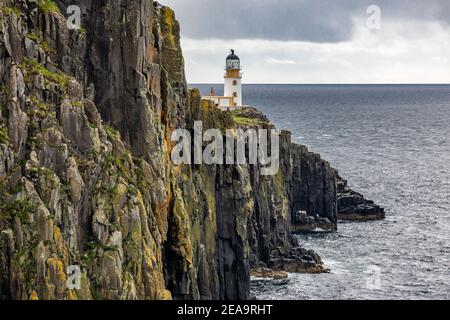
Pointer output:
x,y
350,205
87,181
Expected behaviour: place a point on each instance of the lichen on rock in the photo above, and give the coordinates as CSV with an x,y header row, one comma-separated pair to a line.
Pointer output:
x,y
86,177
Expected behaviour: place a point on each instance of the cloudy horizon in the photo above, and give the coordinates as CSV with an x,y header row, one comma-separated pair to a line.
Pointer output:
x,y
325,41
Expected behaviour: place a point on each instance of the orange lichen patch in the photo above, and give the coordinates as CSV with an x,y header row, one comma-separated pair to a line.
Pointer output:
x,y
168,26
60,244
164,295
206,105
72,295
168,143
57,234
34,296
176,170
56,266
151,51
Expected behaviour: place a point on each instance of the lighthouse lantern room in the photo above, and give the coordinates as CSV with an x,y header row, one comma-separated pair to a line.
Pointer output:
x,y
232,97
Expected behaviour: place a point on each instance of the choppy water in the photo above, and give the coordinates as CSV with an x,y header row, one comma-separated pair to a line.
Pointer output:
x,y
393,144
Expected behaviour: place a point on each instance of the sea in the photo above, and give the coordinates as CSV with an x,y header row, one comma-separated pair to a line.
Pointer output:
x,y
392,143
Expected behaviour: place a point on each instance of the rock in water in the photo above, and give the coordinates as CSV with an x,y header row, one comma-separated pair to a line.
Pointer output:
x,y
352,206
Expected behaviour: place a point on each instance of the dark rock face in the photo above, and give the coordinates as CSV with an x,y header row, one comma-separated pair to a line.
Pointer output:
x,y
313,191
85,172
74,190
303,182
352,206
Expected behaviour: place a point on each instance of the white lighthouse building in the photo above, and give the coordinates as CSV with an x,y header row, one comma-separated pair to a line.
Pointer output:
x,y
232,97
233,79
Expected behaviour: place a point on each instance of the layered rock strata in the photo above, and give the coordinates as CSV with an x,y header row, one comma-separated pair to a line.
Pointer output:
x,y
86,178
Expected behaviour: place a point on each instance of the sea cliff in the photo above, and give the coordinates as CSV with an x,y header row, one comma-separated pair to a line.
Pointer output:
x,y
86,178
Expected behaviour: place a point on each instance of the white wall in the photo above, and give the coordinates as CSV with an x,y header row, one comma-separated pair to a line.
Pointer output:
x,y
229,89
220,101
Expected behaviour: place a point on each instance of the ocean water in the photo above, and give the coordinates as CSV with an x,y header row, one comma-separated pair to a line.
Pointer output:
x,y
392,142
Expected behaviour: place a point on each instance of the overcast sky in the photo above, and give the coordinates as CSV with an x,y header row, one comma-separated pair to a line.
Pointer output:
x,y
316,41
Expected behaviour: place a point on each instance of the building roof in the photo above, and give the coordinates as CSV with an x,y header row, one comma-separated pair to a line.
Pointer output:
x,y
232,56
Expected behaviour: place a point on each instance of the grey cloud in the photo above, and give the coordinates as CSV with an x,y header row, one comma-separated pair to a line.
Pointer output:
x,y
296,20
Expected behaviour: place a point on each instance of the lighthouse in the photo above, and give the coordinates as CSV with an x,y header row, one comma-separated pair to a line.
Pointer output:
x,y
232,97
233,79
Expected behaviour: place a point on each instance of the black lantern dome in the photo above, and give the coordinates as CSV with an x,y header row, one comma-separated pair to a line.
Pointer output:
x,y
233,61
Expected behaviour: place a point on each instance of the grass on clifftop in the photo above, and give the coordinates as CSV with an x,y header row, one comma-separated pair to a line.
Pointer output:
x,y
244,121
242,118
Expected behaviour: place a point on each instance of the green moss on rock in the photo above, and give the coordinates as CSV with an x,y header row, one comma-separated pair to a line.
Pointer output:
x,y
9,10
244,121
112,133
17,208
35,68
35,36
4,137
168,25
48,6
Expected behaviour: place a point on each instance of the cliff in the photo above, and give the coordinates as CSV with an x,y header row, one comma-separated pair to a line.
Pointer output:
x,y
86,178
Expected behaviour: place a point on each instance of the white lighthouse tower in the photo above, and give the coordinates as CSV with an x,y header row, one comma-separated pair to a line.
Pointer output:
x,y
232,97
233,79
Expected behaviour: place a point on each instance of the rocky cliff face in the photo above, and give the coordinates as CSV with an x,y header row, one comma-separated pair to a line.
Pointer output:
x,y
86,178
